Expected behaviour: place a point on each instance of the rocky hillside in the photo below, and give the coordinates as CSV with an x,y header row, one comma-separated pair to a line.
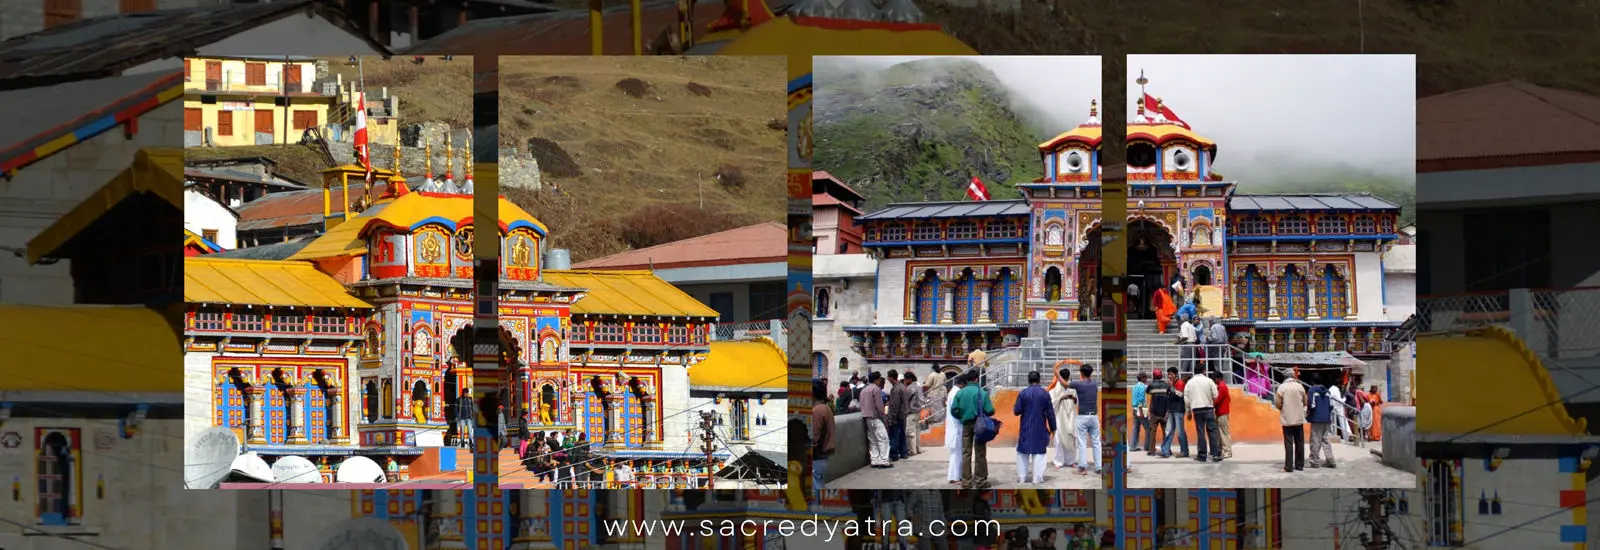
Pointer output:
x,y
919,130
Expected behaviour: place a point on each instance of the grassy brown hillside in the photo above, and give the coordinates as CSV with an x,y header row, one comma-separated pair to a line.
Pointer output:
x,y
432,91
633,144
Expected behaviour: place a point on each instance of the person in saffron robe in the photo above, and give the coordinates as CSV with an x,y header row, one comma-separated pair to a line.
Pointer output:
x,y
1037,422
1376,399
1164,309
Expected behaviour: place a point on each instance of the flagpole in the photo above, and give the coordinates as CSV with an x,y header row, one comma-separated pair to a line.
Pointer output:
x,y
361,74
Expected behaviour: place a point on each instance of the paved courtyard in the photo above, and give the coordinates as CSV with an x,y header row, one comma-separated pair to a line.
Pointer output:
x,y
1260,465
927,471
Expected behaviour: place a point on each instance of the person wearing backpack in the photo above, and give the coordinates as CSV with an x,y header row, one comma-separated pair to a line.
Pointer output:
x,y
1320,415
1177,412
973,408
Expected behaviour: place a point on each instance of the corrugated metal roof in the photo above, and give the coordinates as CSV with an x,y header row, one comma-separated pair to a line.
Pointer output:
x,y
262,282
760,243
627,293
105,46
960,209
1308,202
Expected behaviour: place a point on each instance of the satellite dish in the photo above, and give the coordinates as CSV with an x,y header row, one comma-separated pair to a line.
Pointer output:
x,y
359,469
252,468
366,533
208,457
295,469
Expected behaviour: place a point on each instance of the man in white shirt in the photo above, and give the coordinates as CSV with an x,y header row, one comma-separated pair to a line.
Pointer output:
x,y
1134,303
1341,418
624,475
1187,335
1200,393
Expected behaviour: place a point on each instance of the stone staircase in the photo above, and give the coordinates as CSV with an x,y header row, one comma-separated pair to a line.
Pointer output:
x,y
1149,350
1079,340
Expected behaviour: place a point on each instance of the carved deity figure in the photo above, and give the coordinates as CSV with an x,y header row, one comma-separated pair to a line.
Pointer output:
x,y
1054,236
1202,236
521,253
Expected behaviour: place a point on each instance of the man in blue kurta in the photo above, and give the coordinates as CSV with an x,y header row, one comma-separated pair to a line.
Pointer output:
x,y
1038,423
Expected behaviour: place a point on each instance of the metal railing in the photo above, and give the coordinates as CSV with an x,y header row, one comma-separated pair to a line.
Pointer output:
x,y
773,328
1553,323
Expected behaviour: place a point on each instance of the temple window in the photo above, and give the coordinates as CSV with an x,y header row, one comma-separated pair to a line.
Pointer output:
x,y
1292,294
1365,224
580,332
964,230
1254,225
1000,230
700,334
208,319
1003,296
823,302
1332,224
288,322
1386,225
248,322
928,299
895,232
328,323
59,475
740,428
678,334
1250,293
1293,225
647,334
608,332
927,231
1331,294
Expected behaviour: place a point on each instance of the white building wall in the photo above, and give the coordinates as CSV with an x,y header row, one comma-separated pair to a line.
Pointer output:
x,y
891,285
771,437
201,213
1400,295
1368,286
44,191
850,307
675,403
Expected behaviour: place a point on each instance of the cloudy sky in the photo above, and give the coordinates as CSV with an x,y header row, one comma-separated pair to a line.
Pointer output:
x,y
1059,86
1273,111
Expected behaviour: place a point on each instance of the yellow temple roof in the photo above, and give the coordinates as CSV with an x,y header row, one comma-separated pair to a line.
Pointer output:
x,y
1087,134
1492,376
628,293
406,213
157,170
757,364
262,282
1161,133
88,348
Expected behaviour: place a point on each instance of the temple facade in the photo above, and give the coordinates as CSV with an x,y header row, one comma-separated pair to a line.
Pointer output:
x,y
1294,272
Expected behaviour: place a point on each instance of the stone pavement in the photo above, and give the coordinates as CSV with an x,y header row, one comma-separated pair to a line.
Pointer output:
x,y
927,471
1260,465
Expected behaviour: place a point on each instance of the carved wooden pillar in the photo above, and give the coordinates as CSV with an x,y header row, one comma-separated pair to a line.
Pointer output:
x,y
255,431
336,416
947,296
1272,298
294,399
984,316
912,303
1311,298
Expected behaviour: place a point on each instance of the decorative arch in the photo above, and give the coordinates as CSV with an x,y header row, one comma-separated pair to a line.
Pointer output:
x,y
1005,296
59,472
370,404
927,297
549,347
1292,298
824,302
1086,238
1053,283
1055,234
968,300
420,401
1166,222
521,253
1200,234
1250,293
819,362
422,342
1203,273
372,340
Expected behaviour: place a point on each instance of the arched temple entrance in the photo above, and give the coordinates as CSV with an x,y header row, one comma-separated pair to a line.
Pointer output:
x,y
1152,262
419,401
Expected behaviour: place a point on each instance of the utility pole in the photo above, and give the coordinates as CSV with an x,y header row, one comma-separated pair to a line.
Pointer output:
x,y
708,444
1375,514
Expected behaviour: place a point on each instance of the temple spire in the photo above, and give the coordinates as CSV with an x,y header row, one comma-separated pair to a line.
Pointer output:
x,y
427,160
449,159
1142,81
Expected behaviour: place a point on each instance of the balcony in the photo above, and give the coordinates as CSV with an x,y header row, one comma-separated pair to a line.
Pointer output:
x,y
271,86
1556,324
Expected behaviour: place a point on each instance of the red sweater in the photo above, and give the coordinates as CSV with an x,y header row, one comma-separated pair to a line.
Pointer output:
x,y
1222,398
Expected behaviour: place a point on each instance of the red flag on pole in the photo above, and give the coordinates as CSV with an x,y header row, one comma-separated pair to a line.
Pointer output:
x,y
361,136
1151,103
976,190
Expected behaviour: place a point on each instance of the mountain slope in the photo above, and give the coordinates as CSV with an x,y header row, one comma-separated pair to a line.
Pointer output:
x,y
919,130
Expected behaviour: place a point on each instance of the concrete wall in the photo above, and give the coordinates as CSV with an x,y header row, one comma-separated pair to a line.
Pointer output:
x,y
244,130
891,286
849,447
44,191
850,307
1368,287
1400,438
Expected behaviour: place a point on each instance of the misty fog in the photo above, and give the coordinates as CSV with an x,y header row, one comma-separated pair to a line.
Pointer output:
x,y
1053,91
1275,117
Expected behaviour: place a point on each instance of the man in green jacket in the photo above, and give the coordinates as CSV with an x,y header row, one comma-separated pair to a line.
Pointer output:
x,y
970,402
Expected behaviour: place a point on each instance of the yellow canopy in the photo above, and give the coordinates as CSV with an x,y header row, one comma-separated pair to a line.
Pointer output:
x,y
406,212
262,282
628,293
1160,133
751,365
88,348
1089,134
1483,379
156,170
